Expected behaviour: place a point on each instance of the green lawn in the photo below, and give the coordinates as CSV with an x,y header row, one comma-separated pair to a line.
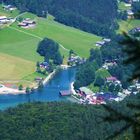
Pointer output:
x,y
71,38
22,44
103,73
14,68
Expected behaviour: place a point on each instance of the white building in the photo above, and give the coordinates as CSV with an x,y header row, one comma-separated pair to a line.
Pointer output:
x,y
3,19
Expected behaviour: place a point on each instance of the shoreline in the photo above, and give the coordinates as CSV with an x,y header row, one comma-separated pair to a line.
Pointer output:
x,y
74,93
11,91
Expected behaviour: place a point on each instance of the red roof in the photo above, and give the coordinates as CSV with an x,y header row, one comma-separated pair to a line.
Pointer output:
x,y
111,79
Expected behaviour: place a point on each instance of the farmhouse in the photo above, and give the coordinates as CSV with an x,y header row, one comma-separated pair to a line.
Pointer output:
x,y
111,79
3,19
103,42
100,43
27,23
44,65
130,14
9,8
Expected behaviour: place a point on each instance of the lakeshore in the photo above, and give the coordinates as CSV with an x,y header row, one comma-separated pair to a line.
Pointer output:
x,y
60,81
7,90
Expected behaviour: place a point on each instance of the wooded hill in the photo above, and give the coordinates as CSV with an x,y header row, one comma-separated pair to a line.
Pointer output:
x,y
93,16
68,121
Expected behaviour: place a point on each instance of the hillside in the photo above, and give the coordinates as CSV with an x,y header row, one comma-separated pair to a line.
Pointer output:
x,y
69,121
81,14
22,43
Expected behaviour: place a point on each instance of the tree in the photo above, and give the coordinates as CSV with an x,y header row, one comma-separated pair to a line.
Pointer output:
x,y
37,64
99,81
117,88
40,85
28,89
95,55
50,50
132,49
20,87
111,87
85,75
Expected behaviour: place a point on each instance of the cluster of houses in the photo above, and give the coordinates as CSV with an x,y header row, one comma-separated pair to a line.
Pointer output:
x,y
132,89
44,65
108,64
74,60
86,96
6,20
27,23
130,13
9,7
135,30
102,42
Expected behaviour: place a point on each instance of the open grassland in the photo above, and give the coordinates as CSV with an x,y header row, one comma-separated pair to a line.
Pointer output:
x,y
18,46
14,68
71,38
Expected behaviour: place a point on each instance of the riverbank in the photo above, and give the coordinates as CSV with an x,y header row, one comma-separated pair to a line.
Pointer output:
x,y
12,91
6,90
74,93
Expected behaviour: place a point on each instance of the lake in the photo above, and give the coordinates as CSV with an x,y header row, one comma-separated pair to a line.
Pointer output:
x,y
50,92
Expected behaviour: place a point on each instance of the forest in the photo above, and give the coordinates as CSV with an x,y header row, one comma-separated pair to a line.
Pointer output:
x,y
69,121
98,17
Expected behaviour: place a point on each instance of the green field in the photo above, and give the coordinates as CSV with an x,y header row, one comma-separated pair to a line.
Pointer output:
x,y
22,44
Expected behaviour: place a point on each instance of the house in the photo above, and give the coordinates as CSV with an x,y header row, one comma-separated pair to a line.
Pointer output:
x,y
130,14
38,79
3,19
44,65
27,23
103,42
106,39
100,43
75,60
111,79
65,93
9,7
108,65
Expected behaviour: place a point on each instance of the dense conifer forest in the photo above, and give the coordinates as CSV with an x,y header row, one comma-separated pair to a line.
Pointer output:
x,y
69,121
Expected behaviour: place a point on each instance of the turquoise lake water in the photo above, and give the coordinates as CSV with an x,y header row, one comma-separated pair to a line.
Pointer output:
x,y
61,81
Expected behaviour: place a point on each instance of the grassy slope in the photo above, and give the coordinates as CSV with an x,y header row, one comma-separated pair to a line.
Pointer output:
x,y
71,38
23,46
103,73
13,68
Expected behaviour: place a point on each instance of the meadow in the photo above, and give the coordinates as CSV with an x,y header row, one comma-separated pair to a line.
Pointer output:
x,y
19,45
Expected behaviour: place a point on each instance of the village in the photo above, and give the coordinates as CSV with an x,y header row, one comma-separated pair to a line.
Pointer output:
x,y
84,95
